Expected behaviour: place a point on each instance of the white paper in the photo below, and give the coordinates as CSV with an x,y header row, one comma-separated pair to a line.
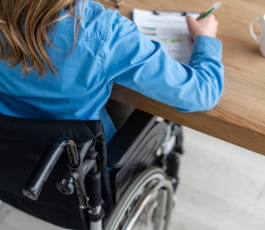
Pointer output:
x,y
170,30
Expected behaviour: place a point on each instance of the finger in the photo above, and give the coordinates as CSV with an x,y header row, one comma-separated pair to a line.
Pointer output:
x,y
201,14
189,20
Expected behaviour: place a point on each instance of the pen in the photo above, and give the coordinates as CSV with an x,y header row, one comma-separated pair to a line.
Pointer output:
x,y
214,7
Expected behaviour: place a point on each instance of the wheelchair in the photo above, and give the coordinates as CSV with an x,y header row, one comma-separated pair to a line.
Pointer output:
x,y
64,173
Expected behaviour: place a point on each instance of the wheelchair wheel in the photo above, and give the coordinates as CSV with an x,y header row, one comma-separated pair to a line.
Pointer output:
x,y
146,204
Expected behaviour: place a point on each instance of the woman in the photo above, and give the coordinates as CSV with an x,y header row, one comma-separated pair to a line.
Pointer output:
x,y
59,59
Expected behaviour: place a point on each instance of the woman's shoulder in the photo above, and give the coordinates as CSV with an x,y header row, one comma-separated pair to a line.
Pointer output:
x,y
94,23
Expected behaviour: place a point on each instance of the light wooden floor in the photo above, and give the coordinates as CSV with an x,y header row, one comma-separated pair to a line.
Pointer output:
x,y
222,188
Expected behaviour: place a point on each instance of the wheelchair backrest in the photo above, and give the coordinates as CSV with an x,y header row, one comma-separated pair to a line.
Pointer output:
x,y
22,142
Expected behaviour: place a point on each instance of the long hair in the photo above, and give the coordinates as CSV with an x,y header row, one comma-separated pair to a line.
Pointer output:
x,y
24,27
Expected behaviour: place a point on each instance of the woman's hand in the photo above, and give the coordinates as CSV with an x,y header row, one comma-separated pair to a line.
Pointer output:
x,y
204,26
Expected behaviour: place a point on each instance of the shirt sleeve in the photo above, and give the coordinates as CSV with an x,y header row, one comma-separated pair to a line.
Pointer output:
x,y
132,60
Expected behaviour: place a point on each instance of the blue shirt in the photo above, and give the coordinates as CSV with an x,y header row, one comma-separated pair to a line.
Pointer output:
x,y
110,49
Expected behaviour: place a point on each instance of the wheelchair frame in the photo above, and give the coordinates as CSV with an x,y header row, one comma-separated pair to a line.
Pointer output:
x,y
149,163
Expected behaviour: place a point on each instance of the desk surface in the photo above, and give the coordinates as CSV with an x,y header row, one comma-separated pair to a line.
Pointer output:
x,y
239,117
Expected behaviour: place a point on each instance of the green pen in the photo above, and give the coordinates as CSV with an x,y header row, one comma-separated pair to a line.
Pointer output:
x,y
214,7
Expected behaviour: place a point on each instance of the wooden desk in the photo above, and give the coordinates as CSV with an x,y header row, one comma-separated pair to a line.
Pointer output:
x,y
239,117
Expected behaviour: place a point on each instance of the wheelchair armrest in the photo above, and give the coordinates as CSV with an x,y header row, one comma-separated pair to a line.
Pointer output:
x,y
128,137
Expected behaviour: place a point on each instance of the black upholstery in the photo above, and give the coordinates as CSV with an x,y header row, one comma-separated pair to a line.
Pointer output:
x,y
22,142
120,149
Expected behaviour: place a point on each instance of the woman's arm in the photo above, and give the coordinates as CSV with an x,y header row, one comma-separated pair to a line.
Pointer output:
x,y
132,60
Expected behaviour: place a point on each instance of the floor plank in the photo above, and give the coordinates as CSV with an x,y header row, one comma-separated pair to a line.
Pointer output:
x,y
222,186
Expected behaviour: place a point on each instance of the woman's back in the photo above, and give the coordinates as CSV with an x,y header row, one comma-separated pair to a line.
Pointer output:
x,y
109,48
79,90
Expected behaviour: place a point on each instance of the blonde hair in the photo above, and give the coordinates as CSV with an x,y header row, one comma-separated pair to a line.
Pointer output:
x,y
24,27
